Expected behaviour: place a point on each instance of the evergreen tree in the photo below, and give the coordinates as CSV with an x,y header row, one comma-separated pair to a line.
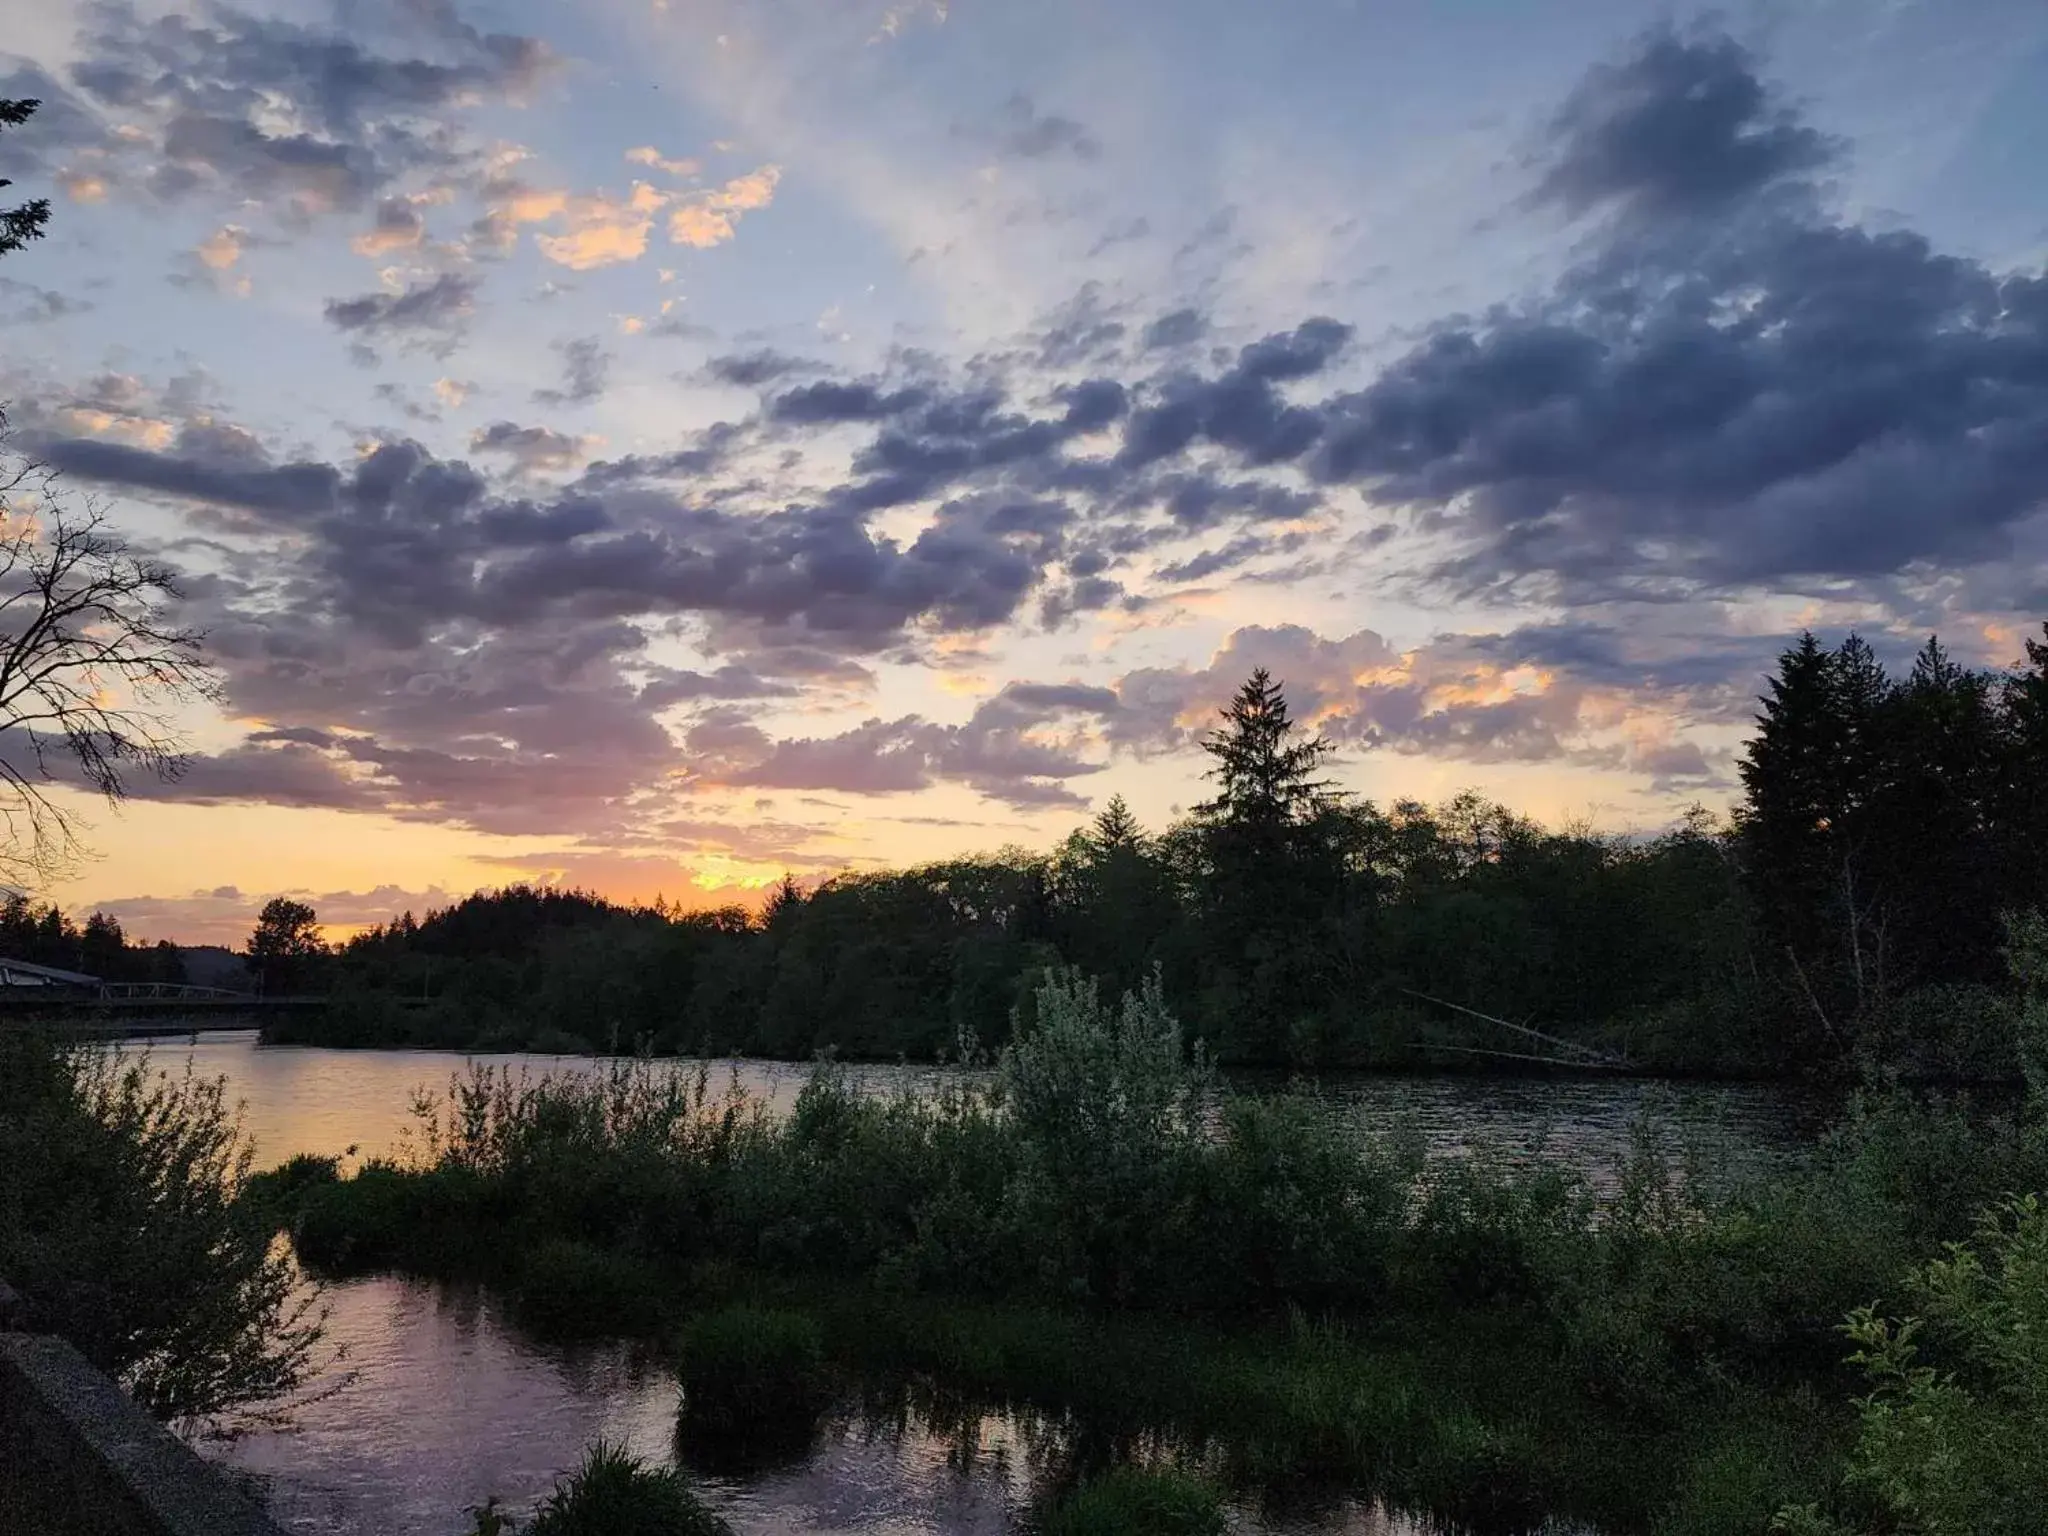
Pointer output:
x,y
1264,897
166,963
1935,852
1116,829
17,927
25,221
1265,772
2022,788
1809,774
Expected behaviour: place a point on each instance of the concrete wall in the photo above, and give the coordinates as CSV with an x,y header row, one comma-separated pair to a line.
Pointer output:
x,y
77,1456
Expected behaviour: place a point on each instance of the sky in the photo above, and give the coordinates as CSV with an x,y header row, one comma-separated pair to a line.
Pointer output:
x,y
652,445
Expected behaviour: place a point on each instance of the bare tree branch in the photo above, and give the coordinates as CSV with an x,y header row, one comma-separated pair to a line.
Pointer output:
x,y
92,666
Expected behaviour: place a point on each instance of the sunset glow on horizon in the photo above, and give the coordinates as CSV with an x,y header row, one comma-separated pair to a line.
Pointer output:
x,y
657,447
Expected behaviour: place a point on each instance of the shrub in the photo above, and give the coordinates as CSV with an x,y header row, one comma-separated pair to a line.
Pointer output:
x,y
275,1195
431,1220
121,1222
1488,1231
1110,1117
1959,1452
1299,1207
753,1378
614,1494
1136,1501
570,1289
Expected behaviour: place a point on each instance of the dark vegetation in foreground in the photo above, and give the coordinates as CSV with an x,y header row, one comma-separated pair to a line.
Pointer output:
x,y
1846,916
1270,1299
122,1224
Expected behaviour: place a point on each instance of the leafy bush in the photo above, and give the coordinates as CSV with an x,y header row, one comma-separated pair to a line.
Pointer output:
x,y
1136,1501
1486,1230
753,1377
1110,1117
387,1217
571,1289
614,1494
121,1221
275,1195
1298,1206
1958,1452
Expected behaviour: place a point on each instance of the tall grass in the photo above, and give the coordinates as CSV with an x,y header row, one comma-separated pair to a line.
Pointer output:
x,y
613,1494
1134,1501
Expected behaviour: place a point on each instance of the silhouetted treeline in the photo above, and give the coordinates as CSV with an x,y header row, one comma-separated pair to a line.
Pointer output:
x,y
1848,910
43,935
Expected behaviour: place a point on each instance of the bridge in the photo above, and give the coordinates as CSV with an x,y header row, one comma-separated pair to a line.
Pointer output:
x,y
41,992
168,1015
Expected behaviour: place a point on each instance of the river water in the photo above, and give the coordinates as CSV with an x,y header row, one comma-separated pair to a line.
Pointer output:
x,y
447,1402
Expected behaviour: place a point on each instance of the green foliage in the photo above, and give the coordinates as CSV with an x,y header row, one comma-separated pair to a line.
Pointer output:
x,y
1957,1451
568,1289
614,1494
122,1222
751,1376
1109,1118
1137,1501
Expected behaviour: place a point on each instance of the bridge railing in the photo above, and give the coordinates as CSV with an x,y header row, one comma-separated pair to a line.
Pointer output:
x,y
170,991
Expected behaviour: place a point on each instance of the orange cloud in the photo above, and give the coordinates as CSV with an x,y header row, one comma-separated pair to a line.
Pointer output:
x,y
648,155
223,248
134,430
604,230
709,218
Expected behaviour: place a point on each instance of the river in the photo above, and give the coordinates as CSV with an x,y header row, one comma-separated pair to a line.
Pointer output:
x,y
447,1402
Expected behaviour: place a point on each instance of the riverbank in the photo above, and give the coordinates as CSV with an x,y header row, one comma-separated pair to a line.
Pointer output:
x,y
1278,1300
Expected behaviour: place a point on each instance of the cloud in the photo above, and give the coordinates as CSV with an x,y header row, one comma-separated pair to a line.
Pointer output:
x,y
1177,328
750,370
997,753
1023,133
226,915
398,227
223,248
34,306
653,158
602,230
709,218
288,489
1477,699
453,392
586,367
237,107
431,315
1682,127
1242,408
532,448
281,772
1648,430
